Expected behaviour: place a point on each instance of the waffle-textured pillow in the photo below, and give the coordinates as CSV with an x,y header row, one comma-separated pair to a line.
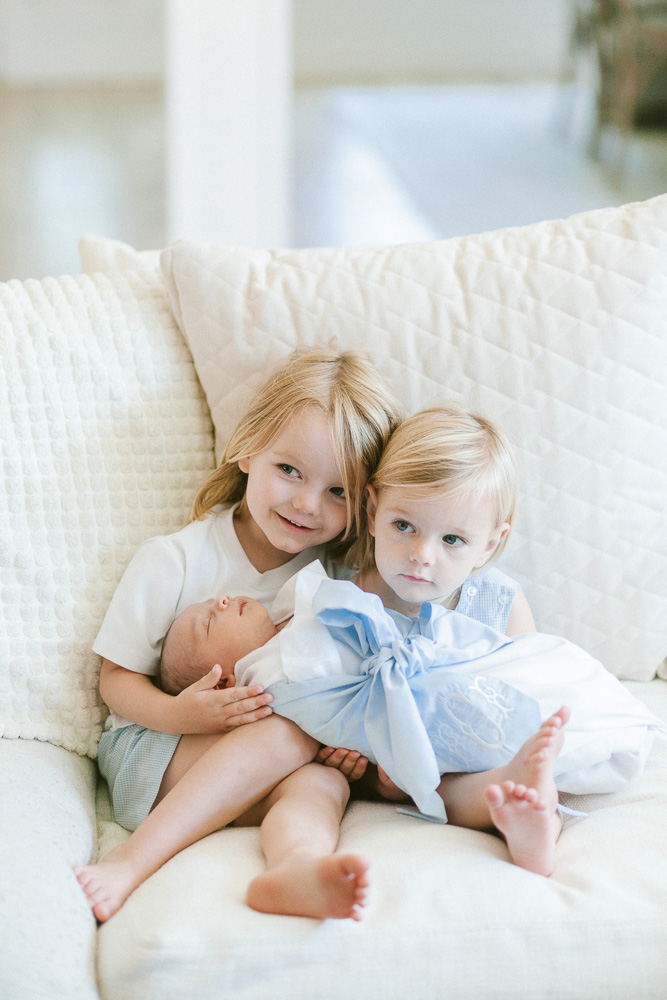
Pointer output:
x,y
556,330
106,435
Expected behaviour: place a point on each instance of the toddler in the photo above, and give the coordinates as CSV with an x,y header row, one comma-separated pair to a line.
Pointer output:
x,y
440,508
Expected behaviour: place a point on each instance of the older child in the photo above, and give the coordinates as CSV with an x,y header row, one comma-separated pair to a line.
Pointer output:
x,y
288,489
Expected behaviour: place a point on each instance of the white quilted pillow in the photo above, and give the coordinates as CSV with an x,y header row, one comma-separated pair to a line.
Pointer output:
x,y
98,253
106,435
556,330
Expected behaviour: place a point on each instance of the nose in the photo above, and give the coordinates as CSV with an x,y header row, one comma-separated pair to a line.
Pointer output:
x,y
222,602
421,553
307,501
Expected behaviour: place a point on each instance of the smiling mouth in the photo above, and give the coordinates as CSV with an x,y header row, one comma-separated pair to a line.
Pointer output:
x,y
294,524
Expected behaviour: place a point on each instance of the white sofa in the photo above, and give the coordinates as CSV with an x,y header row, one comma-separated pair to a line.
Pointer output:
x,y
113,384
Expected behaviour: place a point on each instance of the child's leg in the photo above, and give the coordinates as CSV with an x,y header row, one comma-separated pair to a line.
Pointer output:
x,y
519,799
213,780
299,834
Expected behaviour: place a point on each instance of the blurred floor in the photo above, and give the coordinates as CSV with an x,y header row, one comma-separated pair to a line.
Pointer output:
x,y
371,165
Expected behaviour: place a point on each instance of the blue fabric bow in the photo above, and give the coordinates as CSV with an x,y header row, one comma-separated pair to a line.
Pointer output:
x,y
400,702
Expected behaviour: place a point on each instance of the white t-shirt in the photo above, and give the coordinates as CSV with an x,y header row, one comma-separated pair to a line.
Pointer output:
x,y
170,572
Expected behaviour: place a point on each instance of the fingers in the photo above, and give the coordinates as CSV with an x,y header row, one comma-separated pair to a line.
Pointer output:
x,y
358,769
209,680
349,762
246,717
244,705
241,694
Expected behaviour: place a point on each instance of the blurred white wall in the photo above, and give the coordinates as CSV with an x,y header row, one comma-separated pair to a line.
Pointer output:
x,y
228,111
385,41
80,40
335,41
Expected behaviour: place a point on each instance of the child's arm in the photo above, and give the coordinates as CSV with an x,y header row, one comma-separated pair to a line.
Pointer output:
x,y
521,617
200,708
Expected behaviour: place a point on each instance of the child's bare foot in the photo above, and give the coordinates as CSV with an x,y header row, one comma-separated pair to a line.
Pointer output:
x,y
106,885
527,823
533,764
334,886
523,807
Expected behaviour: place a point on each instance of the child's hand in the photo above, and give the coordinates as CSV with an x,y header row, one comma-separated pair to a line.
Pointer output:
x,y
204,708
349,762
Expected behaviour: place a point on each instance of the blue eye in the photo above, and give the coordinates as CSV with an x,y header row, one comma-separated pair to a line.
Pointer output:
x,y
289,470
338,491
453,540
403,526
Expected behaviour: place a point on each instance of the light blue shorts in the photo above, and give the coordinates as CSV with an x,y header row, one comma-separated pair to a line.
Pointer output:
x,y
133,761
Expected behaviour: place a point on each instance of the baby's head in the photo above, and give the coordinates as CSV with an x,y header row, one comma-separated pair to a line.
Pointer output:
x,y
440,505
221,630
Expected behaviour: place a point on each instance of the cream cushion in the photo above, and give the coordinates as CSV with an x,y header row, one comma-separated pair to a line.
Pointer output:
x,y
106,436
47,824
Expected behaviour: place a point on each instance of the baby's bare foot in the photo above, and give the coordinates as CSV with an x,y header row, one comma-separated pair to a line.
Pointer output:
x,y
335,886
106,885
528,823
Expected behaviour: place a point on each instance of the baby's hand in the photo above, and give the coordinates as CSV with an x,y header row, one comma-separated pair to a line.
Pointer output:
x,y
349,762
204,708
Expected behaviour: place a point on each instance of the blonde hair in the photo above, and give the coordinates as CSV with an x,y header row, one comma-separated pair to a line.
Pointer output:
x,y
361,409
449,450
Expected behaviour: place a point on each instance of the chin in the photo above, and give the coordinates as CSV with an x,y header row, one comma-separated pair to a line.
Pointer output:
x,y
415,595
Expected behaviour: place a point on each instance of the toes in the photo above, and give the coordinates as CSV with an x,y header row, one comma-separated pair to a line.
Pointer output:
x,y
103,912
83,875
494,795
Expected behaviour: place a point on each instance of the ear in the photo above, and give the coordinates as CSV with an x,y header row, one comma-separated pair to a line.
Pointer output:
x,y
371,507
244,465
226,681
495,538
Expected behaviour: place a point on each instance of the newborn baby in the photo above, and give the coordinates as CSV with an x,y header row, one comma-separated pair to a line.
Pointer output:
x,y
418,696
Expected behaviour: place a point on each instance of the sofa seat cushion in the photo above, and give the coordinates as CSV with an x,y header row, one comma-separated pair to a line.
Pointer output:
x,y
447,912
47,824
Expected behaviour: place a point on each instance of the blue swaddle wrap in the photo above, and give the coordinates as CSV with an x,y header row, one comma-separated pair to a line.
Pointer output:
x,y
399,699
